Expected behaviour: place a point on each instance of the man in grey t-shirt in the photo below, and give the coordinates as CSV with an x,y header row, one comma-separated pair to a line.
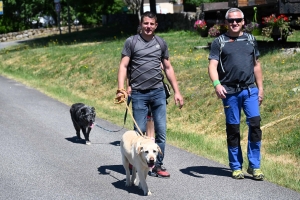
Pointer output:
x,y
145,79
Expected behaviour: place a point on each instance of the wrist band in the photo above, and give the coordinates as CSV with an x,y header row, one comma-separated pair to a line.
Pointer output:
x,y
216,82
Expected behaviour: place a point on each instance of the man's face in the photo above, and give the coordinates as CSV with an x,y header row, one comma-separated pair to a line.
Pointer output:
x,y
148,26
235,22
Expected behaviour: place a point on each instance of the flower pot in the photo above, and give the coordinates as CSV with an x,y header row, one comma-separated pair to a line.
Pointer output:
x,y
256,32
276,35
203,33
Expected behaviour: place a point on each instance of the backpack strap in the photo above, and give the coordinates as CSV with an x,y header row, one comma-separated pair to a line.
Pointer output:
x,y
132,45
162,45
222,42
163,51
251,40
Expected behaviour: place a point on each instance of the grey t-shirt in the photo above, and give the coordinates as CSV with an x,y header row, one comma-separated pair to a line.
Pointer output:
x,y
237,60
145,70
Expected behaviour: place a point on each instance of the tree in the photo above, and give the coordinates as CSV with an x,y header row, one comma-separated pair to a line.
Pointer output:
x,y
152,6
136,6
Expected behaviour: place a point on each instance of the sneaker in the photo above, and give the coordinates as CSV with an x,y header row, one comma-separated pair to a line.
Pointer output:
x,y
159,171
256,173
237,174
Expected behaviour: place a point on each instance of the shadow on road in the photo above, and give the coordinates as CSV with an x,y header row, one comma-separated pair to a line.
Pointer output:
x,y
197,171
75,140
106,170
119,184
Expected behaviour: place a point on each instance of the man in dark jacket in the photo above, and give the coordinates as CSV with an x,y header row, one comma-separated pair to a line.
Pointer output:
x,y
236,74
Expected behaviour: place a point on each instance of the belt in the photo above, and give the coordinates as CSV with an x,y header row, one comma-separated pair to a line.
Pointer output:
x,y
238,85
145,91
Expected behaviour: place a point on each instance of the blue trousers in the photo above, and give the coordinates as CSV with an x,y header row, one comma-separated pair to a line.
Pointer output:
x,y
247,99
156,100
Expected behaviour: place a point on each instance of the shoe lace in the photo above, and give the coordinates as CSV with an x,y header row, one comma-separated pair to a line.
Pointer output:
x,y
257,171
237,172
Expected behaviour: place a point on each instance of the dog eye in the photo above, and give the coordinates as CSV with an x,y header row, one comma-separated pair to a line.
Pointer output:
x,y
154,151
146,151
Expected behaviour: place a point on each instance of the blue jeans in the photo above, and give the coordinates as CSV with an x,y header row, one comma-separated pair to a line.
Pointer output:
x,y
247,100
156,100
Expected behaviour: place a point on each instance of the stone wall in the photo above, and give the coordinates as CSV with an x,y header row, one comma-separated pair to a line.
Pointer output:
x,y
34,33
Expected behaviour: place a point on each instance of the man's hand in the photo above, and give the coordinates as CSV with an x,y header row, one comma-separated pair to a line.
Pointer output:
x,y
178,100
221,91
121,96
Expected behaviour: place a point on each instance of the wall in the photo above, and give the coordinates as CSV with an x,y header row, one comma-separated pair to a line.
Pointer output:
x,y
34,33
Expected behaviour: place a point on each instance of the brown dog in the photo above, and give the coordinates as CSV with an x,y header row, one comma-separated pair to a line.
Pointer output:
x,y
141,153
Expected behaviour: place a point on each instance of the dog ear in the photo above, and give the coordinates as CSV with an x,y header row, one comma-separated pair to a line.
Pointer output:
x,y
83,111
139,148
93,109
159,150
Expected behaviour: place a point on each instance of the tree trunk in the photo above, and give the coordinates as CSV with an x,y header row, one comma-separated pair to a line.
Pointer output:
x,y
142,7
152,6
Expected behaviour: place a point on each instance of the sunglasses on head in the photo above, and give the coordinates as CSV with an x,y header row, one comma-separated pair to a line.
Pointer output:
x,y
237,20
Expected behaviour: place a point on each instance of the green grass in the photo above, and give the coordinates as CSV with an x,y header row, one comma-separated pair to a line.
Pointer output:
x,y
82,67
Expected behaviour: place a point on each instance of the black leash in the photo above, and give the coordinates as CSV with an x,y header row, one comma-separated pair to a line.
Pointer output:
x,y
125,117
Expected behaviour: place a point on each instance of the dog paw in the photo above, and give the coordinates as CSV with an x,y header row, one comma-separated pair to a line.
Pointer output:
x,y
136,182
88,143
127,184
148,193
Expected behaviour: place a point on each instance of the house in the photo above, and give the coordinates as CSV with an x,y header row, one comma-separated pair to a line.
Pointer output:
x,y
165,6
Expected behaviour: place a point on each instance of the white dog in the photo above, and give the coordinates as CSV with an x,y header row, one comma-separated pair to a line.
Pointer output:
x,y
141,153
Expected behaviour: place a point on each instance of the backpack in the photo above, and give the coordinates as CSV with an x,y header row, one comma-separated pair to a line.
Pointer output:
x,y
163,50
222,42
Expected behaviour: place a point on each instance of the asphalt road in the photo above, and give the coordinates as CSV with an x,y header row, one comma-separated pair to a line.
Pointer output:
x,y
40,159
4,45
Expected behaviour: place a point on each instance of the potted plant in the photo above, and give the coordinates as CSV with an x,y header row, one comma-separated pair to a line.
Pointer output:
x,y
253,28
201,27
217,30
277,28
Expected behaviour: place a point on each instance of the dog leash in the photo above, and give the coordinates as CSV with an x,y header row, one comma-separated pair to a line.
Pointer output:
x,y
125,117
107,129
122,99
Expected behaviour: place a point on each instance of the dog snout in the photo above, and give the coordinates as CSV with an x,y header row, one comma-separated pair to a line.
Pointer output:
x,y
151,160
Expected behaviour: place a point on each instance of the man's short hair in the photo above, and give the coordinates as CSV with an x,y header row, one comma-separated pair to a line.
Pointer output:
x,y
148,14
233,10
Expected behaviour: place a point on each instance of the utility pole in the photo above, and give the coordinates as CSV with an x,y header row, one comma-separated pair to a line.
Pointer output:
x,y
69,18
58,9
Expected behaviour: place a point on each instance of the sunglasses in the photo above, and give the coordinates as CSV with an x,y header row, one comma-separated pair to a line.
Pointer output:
x,y
237,20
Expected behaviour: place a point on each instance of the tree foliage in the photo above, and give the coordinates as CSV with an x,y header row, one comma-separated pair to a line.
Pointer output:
x,y
136,6
19,14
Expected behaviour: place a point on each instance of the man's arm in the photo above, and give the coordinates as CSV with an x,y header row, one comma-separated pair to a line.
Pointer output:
x,y
122,74
214,77
168,68
259,81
